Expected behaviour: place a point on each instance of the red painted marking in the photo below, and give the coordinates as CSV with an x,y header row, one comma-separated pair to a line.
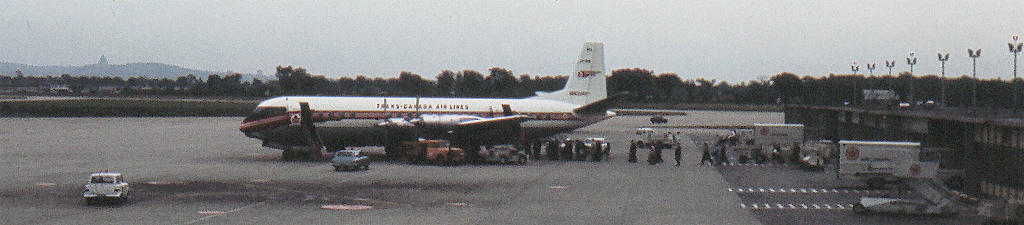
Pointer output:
x,y
852,153
915,169
586,73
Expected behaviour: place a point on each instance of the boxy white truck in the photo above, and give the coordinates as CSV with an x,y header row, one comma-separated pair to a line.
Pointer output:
x,y
876,162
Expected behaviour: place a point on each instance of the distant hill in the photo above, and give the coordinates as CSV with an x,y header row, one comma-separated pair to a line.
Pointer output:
x,y
103,69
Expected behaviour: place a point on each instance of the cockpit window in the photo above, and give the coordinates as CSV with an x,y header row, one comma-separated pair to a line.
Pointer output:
x,y
265,112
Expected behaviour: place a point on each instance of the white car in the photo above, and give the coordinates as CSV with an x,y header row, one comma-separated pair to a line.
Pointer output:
x,y
106,186
350,159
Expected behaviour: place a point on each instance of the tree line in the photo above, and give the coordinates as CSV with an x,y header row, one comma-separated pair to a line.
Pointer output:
x,y
644,85
847,89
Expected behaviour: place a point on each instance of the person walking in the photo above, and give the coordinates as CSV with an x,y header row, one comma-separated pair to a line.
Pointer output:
x,y
723,159
632,151
658,146
706,155
679,153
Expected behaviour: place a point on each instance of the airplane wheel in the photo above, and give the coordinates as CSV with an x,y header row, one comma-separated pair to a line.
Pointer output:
x,y
337,168
504,159
859,209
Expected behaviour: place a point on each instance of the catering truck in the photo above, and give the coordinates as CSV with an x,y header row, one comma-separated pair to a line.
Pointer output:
x,y
877,162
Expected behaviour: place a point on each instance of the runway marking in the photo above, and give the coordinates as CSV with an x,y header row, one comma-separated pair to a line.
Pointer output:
x,y
792,206
224,213
334,196
805,191
557,187
46,184
210,212
346,207
732,164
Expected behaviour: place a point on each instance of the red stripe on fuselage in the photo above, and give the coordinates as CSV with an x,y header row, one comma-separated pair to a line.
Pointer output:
x,y
323,116
266,122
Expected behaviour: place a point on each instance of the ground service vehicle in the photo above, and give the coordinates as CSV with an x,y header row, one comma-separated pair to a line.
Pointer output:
x,y
652,139
434,151
106,186
814,154
778,141
504,154
876,162
350,159
597,148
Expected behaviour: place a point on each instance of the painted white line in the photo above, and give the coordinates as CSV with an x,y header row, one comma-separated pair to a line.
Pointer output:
x,y
221,214
743,205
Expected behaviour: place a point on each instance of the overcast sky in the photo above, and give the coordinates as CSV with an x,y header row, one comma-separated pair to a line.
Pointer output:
x,y
733,41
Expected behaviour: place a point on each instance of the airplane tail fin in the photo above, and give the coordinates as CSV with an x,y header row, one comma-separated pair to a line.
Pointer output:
x,y
587,83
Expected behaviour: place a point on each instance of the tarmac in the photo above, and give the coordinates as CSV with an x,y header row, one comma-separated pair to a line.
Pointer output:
x,y
203,171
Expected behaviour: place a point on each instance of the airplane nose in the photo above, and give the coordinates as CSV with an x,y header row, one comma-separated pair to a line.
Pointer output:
x,y
610,113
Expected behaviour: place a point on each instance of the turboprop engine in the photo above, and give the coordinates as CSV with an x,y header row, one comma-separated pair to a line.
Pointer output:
x,y
444,120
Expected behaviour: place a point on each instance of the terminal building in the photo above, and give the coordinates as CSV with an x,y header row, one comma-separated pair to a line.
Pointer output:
x,y
988,149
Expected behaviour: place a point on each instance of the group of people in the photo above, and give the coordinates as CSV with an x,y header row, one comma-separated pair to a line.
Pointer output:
x,y
656,148
715,156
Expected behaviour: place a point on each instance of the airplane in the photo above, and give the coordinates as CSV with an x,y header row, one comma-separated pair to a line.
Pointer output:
x,y
306,125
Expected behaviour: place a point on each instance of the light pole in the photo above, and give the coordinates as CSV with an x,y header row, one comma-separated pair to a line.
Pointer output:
x,y
871,85
943,60
890,64
1015,48
911,61
855,68
974,56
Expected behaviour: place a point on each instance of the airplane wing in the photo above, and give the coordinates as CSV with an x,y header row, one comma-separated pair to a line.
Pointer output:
x,y
493,122
599,107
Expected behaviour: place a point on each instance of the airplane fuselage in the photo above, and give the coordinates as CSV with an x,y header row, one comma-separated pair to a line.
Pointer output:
x,y
356,121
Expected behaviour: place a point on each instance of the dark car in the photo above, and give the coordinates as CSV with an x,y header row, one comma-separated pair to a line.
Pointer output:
x,y
658,119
